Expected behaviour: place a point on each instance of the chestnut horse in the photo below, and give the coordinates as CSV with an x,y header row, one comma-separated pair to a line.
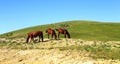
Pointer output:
x,y
52,32
31,35
63,31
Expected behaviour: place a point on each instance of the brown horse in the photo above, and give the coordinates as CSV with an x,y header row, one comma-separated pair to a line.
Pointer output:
x,y
31,35
63,31
52,32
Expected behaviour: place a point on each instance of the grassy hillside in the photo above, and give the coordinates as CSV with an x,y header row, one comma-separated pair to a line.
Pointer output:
x,y
87,30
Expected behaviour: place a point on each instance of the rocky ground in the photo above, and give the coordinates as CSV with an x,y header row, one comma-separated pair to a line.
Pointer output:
x,y
55,56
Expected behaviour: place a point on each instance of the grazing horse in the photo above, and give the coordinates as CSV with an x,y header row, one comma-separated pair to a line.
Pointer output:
x,y
63,31
52,32
31,35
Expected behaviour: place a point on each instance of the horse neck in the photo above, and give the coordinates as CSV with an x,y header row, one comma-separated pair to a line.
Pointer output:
x,y
68,34
27,38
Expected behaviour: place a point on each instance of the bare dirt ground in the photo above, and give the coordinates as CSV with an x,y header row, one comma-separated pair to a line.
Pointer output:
x,y
53,56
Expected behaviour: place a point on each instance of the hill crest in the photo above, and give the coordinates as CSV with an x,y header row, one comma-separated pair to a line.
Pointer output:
x,y
79,29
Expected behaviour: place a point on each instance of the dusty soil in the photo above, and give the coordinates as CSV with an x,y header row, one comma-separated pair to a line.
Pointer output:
x,y
49,57
54,56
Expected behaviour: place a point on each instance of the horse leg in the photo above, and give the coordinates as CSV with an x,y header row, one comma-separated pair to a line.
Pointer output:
x,y
39,38
42,36
27,40
65,35
52,36
55,37
32,39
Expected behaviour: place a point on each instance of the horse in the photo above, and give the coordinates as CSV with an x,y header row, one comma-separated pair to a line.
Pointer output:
x,y
63,31
52,32
32,35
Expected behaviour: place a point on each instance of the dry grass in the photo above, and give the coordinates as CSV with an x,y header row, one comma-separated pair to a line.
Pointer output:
x,y
59,52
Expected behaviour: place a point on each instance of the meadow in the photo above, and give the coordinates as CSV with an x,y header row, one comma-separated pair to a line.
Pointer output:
x,y
91,43
79,29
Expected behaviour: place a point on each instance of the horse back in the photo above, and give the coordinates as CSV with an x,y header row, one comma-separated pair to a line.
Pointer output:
x,y
38,33
34,33
50,31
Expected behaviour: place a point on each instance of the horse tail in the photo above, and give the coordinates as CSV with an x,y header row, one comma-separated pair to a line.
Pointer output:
x,y
42,36
68,34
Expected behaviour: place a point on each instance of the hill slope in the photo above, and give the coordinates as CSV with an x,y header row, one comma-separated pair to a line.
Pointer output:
x,y
87,30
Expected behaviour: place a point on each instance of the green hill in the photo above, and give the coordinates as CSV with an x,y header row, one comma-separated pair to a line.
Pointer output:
x,y
87,30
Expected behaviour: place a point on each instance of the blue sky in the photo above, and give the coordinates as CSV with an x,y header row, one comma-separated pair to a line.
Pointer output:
x,y
17,14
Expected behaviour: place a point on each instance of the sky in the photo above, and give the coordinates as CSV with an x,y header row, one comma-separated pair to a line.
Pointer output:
x,y
18,14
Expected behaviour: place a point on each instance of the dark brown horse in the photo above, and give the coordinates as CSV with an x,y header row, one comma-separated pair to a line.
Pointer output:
x,y
32,35
52,32
63,31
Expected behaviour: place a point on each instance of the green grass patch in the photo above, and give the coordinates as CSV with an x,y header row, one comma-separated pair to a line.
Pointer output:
x,y
97,52
79,29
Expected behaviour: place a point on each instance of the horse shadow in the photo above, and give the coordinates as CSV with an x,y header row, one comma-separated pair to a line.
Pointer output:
x,y
51,40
